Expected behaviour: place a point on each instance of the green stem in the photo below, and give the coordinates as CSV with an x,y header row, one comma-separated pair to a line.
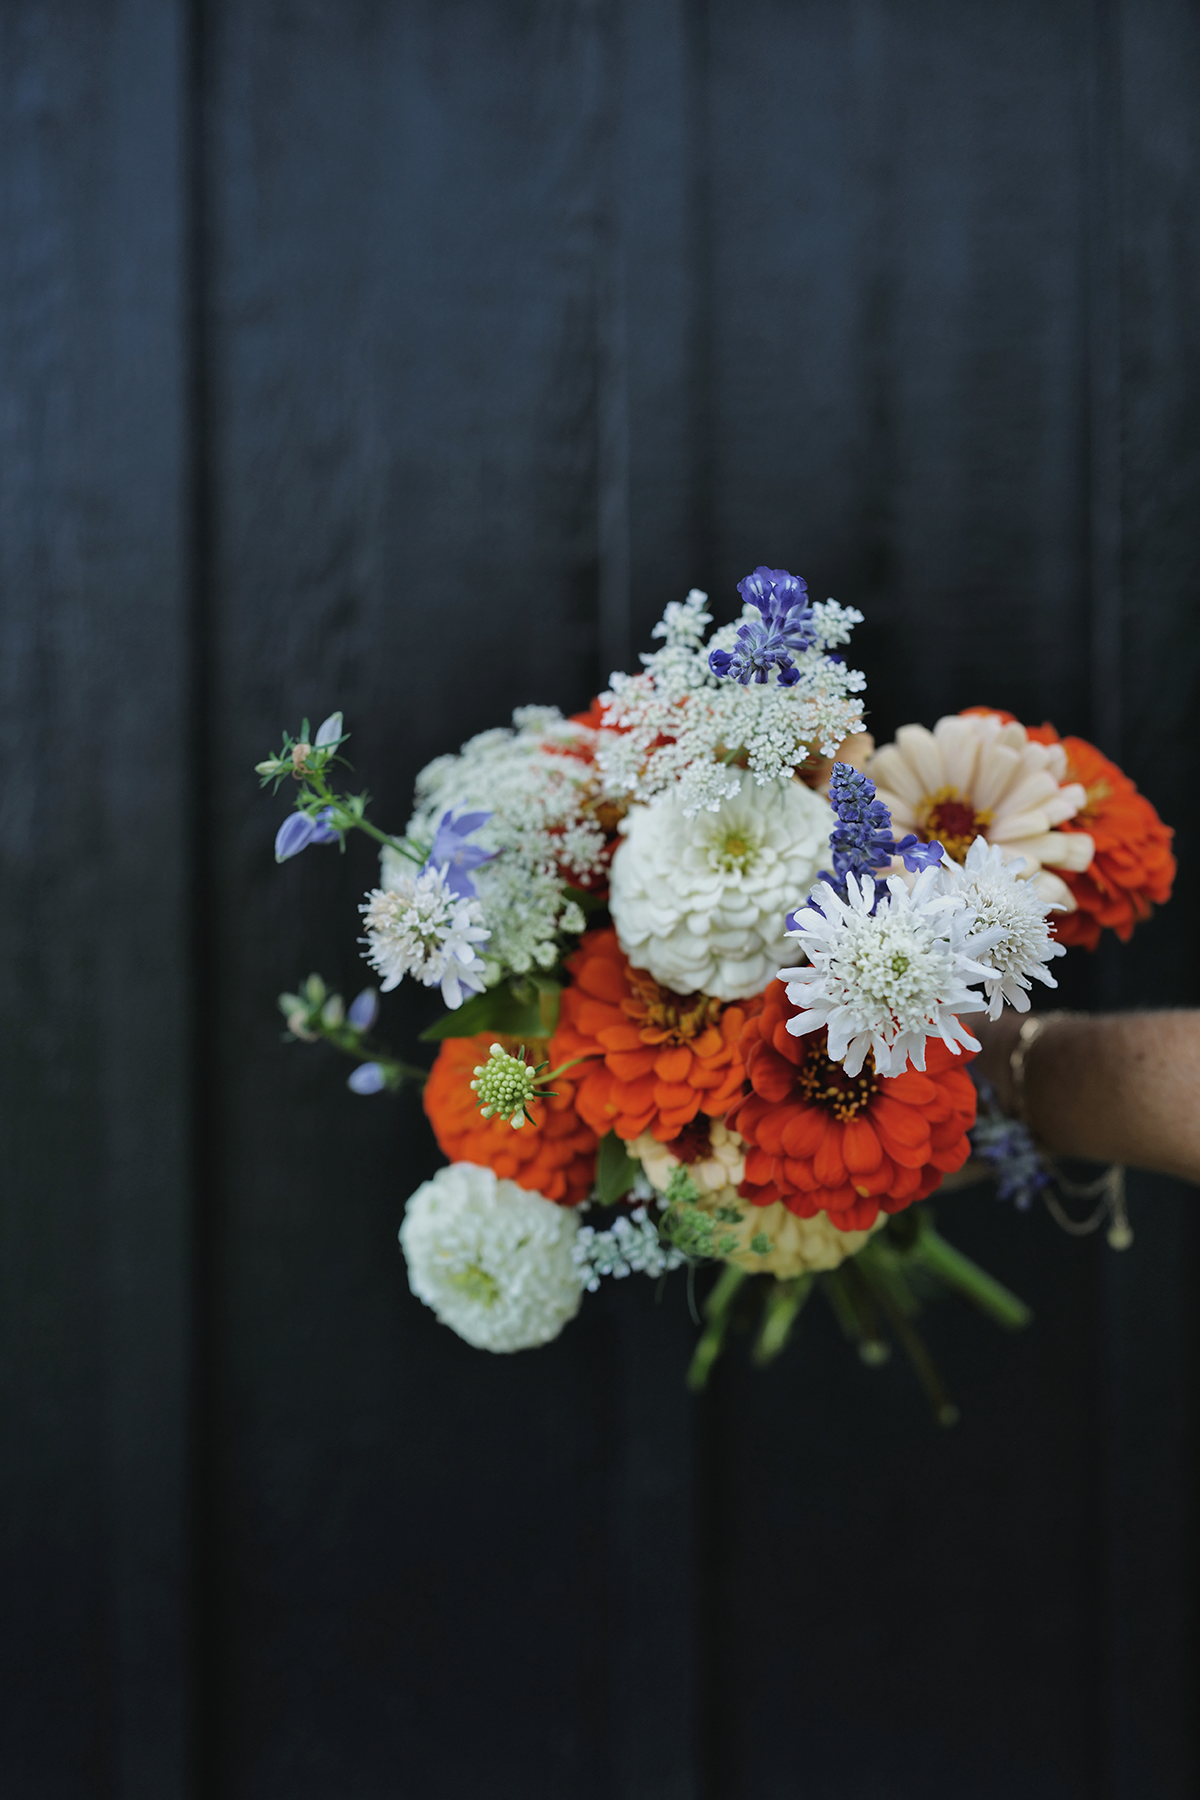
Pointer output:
x,y
780,1312
944,1409
716,1311
960,1273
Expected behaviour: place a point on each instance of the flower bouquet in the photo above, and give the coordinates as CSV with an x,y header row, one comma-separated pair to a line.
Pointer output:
x,y
710,961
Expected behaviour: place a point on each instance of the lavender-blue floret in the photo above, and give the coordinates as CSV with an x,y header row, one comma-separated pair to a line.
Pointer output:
x,y
363,1010
786,629
452,853
299,830
368,1078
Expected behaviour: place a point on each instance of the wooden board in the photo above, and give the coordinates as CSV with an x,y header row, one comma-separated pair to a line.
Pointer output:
x,y
408,359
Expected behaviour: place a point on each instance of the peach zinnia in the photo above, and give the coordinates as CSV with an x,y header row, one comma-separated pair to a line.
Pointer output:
x,y
820,1140
555,1155
660,1057
979,774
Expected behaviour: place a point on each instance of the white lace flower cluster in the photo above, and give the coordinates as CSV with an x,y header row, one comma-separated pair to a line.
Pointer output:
x,y
885,973
677,730
416,925
493,1260
539,798
631,1246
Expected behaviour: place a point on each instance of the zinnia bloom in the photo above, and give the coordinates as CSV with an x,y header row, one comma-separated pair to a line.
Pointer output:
x,y
492,1260
980,775
1133,869
555,1155
661,1057
820,1140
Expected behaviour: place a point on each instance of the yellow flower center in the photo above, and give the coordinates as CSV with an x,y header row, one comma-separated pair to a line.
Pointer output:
x,y
823,1082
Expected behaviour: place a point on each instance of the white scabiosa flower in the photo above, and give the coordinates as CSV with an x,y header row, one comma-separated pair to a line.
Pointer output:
x,y
417,925
700,901
493,1260
887,980
1014,913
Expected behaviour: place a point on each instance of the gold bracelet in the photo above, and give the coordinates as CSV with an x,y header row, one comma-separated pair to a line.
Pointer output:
x,y
1031,1030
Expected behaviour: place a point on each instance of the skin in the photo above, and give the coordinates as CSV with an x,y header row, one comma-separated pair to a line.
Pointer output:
x,y
1122,1087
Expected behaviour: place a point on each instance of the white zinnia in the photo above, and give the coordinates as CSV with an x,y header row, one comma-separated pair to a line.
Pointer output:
x,y
973,776
416,925
700,902
886,981
989,883
492,1259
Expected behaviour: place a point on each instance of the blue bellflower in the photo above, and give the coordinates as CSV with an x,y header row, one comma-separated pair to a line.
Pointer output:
x,y
862,840
786,629
452,852
299,830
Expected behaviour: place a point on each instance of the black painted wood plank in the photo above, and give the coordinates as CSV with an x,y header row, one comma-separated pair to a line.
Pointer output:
x,y
1154,1347
93,895
904,390
425,1550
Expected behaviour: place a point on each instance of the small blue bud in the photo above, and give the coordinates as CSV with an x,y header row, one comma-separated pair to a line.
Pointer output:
x,y
363,1010
368,1078
329,732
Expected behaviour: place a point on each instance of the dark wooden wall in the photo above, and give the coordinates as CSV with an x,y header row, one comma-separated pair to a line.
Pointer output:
x,y
407,357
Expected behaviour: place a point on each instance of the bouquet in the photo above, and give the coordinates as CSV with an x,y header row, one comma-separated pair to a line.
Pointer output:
x,y
710,961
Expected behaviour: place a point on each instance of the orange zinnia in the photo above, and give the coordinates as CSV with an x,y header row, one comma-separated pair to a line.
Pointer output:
x,y
555,1156
824,1141
661,1057
1133,869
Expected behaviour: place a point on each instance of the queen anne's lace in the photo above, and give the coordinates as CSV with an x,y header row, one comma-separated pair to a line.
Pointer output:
x,y
541,823
493,1260
417,925
887,980
679,729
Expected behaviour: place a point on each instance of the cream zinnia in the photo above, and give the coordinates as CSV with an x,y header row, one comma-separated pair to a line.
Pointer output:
x,y
700,901
975,776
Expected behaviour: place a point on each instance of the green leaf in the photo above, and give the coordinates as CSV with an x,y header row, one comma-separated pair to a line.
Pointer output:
x,y
760,1243
532,1015
616,1170
587,903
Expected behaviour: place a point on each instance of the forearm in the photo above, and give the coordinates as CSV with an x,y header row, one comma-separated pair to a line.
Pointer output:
x,y
1123,1087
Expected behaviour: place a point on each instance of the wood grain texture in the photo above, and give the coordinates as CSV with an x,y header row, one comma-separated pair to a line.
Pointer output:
x,y
476,331
94,644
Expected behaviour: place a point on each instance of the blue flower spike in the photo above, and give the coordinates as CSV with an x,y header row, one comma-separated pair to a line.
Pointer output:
x,y
452,852
786,629
299,830
862,841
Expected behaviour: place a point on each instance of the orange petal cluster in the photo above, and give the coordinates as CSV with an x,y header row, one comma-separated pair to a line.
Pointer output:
x,y
555,1156
661,1057
1133,869
823,1141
